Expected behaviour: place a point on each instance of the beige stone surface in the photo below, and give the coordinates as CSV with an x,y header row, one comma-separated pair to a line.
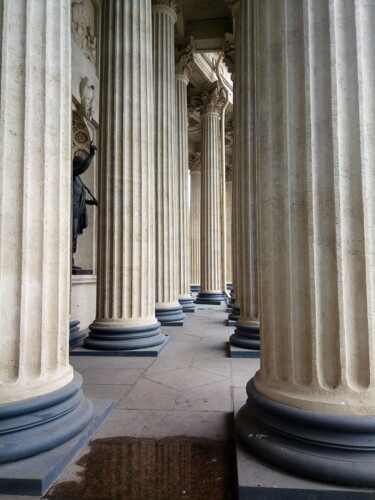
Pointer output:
x,y
126,295
83,300
35,193
195,219
316,173
166,188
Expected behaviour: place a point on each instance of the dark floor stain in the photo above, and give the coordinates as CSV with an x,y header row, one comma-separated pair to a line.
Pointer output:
x,y
172,468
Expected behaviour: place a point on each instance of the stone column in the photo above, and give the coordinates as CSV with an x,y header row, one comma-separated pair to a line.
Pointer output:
x,y
168,308
213,100
246,334
229,60
228,215
313,399
125,316
41,403
195,221
183,57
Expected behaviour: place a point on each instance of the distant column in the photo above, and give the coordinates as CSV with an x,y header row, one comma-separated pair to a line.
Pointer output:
x,y
195,221
125,317
213,99
41,402
168,308
228,215
313,399
246,334
183,57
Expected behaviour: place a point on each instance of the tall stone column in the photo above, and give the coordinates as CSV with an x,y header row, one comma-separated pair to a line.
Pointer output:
x,y
228,215
195,221
125,316
313,399
246,334
41,403
213,99
168,308
229,60
183,57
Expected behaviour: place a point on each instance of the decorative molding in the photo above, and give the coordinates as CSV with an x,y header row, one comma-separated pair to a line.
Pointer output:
x,y
195,162
83,32
172,4
80,137
87,93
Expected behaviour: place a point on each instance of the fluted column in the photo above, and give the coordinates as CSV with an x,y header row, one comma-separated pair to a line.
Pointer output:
x,y
41,404
229,59
183,57
125,316
195,221
314,396
210,292
168,308
228,215
246,334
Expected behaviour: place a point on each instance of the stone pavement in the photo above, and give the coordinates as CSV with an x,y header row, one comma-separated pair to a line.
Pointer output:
x,y
188,390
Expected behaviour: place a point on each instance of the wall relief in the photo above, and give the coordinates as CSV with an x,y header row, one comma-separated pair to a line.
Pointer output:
x,y
83,28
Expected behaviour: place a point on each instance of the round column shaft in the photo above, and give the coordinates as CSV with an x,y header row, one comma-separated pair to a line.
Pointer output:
x,y
246,334
168,308
125,316
184,56
41,404
210,292
228,215
314,395
195,221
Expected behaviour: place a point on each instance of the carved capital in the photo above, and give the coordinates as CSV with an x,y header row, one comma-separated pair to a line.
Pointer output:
x,y
229,52
195,162
212,98
184,60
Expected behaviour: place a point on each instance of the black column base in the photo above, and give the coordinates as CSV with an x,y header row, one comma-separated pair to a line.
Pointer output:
x,y
117,339
338,449
171,316
246,337
187,305
234,316
38,424
76,336
195,288
215,298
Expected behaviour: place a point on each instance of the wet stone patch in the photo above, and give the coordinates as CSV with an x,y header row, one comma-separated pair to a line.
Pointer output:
x,y
172,468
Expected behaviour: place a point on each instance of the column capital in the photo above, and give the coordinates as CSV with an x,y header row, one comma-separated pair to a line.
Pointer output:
x,y
228,173
170,6
195,162
209,98
229,52
183,59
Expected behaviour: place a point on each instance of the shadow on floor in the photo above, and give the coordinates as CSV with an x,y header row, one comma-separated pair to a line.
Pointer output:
x,y
171,468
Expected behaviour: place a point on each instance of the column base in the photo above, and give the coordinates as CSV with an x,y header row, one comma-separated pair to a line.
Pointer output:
x,y
39,424
187,304
338,449
246,337
76,335
171,316
234,316
195,288
114,339
214,298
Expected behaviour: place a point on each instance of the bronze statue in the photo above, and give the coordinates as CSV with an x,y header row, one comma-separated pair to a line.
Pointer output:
x,y
80,221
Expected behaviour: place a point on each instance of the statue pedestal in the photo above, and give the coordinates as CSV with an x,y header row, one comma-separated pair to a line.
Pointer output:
x,y
82,271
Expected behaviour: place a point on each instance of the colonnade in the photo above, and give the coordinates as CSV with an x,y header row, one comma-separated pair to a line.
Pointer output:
x,y
303,211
